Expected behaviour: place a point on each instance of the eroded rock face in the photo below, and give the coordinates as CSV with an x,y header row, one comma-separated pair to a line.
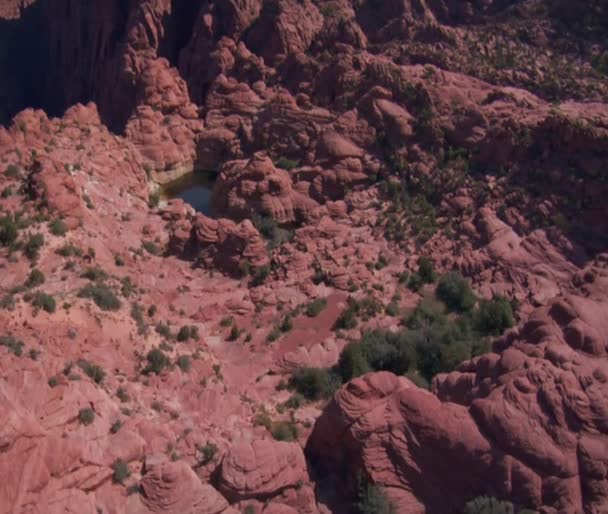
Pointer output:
x,y
529,419
261,469
246,188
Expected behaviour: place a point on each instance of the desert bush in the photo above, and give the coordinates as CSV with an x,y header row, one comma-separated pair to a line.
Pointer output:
x,y
284,431
260,275
373,500
315,307
58,228
15,346
287,323
184,363
86,416
45,302
488,505
8,231
494,316
426,270
151,248
35,279
157,361
102,295
137,313
120,471
315,383
287,164
93,371
455,292
31,248
69,250
94,274
116,426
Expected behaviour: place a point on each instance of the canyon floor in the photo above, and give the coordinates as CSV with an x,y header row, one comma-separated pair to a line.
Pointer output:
x,y
396,300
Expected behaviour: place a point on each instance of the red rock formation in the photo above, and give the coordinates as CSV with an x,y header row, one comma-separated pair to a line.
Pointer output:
x,y
526,423
245,188
261,469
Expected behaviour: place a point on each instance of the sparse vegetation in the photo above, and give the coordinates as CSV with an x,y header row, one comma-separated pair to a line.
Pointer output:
x,y
45,302
36,278
315,383
488,505
157,362
284,431
58,228
455,292
32,246
15,346
184,363
93,371
94,274
8,231
373,500
102,295
86,416
120,471
207,452
314,308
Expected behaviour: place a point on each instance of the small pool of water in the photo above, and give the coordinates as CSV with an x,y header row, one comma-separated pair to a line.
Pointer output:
x,y
194,188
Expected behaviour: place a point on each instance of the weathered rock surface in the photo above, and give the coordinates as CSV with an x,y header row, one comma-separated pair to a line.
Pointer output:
x,y
261,469
528,419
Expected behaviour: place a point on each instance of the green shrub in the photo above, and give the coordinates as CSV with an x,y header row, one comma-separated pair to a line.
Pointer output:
x,y
287,164
6,192
11,171
69,250
366,309
455,292
58,228
208,452
164,330
373,500
314,308
426,270
488,505
287,323
127,288
284,431
137,313
44,301
116,426
315,383
157,361
415,282
183,334
273,335
260,275
122,394
494,316
154,199
120,471
184,363
93,371
31,248
35,279
151,248
15,346
352,362
8,231
7,302
86,416
53,381
94,274
102,295
235,333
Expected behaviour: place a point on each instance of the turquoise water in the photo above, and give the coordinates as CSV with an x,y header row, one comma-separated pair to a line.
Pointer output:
x,y
195,189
